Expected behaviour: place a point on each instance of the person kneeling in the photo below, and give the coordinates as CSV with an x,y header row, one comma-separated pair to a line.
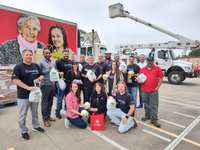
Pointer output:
x,y
73,101
98,100
122,115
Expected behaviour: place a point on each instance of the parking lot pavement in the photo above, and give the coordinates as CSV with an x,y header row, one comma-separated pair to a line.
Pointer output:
x,y
179,111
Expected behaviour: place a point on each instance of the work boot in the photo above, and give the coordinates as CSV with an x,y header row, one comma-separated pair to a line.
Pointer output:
x,y
156,123
145,118
58,116
25,136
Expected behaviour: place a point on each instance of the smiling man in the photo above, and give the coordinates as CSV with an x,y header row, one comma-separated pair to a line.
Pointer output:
x,y
25,76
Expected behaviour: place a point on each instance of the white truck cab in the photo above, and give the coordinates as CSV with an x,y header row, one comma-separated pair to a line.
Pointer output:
x,y
175,70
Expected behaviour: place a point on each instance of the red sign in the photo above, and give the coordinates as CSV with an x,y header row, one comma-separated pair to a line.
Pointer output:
x,y
9,29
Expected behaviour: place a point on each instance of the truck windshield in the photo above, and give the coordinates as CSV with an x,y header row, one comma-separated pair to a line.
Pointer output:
x,y
172,55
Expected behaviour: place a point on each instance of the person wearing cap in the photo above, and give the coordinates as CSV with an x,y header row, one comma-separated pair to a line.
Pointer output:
x,y
108,60
130,77
150,89
63,66
88,84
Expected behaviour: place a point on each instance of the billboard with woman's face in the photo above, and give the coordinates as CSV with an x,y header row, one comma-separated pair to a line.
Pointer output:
x,y
21,30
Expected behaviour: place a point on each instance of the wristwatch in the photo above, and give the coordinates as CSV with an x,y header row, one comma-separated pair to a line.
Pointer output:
x,y
126,116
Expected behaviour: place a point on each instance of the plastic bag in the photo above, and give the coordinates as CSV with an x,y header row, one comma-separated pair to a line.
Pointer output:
x,y
123,67
35,95
105,77
80,67
91,75
111,103
61,84
87,105
54,75
141,78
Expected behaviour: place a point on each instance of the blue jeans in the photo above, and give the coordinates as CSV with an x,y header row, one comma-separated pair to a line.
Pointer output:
x,y
60,95
116,116
133,92
78,122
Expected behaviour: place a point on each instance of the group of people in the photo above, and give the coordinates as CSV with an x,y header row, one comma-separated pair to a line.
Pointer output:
x,y
86,81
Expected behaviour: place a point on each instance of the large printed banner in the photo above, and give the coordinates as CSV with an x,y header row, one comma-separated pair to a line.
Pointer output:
x,y
19,30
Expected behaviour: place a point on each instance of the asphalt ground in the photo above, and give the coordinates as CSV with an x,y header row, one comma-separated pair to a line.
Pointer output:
x,y
179,115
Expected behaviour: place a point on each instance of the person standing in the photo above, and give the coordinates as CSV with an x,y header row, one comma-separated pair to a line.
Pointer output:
x,y
150,89
114,76
47,87
63,65
108,60
103,66
132,72
87,84
25,75
142,61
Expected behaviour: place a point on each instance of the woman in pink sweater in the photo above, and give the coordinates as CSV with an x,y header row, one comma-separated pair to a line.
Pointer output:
x,y
72,101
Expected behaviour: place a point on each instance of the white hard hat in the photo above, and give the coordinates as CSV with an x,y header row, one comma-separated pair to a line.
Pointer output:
x,y
108,52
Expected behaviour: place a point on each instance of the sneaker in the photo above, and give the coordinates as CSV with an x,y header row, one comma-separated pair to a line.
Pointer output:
x,y
156,123
145,118
58,116
25,136
39,129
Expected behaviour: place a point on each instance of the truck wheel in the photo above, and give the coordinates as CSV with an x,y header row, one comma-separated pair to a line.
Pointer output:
x,y
175,77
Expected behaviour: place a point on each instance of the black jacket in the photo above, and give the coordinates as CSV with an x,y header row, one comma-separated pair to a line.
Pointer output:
x,y
99,101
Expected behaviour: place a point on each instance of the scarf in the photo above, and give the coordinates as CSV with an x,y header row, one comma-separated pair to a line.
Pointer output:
x,y
23,44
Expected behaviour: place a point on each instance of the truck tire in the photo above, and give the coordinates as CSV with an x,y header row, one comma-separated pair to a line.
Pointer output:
x,y
175,77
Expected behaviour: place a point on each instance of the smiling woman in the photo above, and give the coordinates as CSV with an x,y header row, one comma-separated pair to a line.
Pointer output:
x,y
28,28
57,41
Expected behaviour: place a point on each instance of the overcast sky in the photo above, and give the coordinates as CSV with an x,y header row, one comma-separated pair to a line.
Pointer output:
x,y
178,16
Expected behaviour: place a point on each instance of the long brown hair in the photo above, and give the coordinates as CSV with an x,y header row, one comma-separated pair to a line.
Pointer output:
x,y
117,71
78,92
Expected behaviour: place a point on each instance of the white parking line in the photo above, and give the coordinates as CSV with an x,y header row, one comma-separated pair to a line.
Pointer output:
x,y
181,104
172,123
185,115
176,141
156,135
107,139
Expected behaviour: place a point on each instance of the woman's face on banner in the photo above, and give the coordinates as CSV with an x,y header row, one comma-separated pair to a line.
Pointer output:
x,y
30,31
57,38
